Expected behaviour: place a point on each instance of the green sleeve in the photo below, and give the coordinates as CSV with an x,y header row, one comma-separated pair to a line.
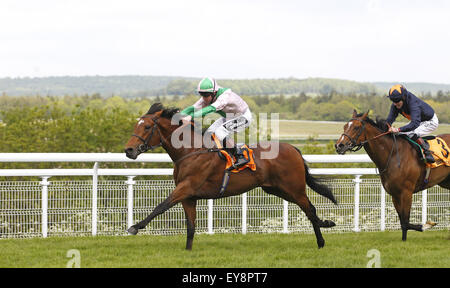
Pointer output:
x,y
204,111
188,111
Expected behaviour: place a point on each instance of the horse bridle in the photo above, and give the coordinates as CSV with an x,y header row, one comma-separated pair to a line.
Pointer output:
x,y
356,147
144,147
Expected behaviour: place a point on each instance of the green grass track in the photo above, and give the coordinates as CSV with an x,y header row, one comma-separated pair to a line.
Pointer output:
x,y
427,249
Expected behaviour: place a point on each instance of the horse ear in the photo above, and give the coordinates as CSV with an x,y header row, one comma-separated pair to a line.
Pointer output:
x,y
354,113
364,116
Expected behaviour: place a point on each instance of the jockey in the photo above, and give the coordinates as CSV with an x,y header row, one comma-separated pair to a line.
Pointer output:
x,y
236,115
422,118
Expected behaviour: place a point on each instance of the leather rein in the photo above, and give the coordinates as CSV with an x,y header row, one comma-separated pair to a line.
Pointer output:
x,y
144,147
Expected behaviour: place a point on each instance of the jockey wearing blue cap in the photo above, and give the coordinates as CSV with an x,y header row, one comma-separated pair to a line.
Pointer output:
x,y
422,118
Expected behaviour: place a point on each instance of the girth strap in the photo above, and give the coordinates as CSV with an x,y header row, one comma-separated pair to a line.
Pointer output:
x,y
225,180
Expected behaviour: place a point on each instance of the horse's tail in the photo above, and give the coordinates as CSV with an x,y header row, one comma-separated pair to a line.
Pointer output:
x,y
314,183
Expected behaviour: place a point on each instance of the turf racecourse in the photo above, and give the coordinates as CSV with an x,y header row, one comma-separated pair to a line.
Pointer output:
x,y
428,249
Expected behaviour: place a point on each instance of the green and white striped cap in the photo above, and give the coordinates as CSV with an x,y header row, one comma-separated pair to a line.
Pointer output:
x,y
207,85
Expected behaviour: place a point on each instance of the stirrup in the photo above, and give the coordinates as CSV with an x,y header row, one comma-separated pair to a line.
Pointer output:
x,y
428,157
241,161
240,158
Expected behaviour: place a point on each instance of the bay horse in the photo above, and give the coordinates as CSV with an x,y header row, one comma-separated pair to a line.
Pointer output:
x,y
198,173
401,171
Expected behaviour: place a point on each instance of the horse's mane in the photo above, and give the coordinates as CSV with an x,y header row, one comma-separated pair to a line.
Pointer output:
x,y
166,112
379,123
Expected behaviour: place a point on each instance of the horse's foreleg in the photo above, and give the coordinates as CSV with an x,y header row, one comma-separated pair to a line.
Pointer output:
x,y
399,206
161,208
189,206
179,194
407,203
402,204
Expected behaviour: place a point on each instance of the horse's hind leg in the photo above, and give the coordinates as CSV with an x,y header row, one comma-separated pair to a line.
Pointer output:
x,y
189,206
301,199
324,223
310,212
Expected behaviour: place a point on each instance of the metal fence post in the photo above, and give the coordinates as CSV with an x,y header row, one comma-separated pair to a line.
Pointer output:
x,y
44,201
94,198
210,216
285,216
357,181
424,206
244,213
130,182
382,209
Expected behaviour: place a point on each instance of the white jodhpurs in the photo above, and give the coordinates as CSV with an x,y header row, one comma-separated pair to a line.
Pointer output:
x,y
425,127
223,127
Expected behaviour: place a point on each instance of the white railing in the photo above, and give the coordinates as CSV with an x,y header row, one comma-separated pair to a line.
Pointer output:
x,y
363,203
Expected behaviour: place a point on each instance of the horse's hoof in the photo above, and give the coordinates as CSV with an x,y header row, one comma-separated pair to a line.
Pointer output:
x,y
132,230
328,224
320,243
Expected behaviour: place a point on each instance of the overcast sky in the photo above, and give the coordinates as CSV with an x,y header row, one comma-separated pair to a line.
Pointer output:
x,y
373,40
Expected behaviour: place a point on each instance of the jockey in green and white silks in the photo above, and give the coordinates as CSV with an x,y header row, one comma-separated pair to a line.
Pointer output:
x,y
236,115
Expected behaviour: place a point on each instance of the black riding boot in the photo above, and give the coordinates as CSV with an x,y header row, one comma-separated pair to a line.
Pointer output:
x,y
425,146
240,158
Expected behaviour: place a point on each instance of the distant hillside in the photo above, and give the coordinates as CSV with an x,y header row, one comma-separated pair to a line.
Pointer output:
x,y
293,86
145,86
127,86
418,88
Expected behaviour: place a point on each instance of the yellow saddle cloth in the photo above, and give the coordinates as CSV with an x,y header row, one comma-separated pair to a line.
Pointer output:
x,y
440,151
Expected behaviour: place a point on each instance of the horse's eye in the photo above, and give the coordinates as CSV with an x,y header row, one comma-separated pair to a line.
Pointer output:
x,y
147,127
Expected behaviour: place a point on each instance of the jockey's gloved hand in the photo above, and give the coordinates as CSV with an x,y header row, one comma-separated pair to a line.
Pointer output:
x,y
186,119
394,130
